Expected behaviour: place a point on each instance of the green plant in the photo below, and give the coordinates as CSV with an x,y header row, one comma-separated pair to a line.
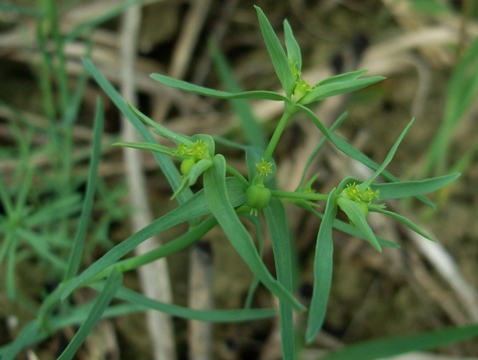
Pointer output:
x,y
228,197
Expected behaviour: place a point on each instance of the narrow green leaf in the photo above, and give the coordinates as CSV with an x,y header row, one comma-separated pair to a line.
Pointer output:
x,y
112,284
354,231
212,315
166,165
385,348
317,148
352,75
76,253
363,186
279,233
147,146
397,190
350,151
159,129
193,208
186,86
323,265
191,236
356,216
293,50
403,220
250,127
93,23
51,212
25,338
461,93
336,88
277,54
40,243
223,210
5,198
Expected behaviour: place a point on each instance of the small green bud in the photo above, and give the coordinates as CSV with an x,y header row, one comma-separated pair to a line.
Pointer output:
x,y
258,196
187,165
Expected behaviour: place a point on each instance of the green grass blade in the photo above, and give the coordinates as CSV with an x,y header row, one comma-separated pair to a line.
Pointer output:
x,y
107,293
93,23
50,213
293,50
251,128
25,338
76,253
413,188
356,216
201,90
279,233
462,91
10,270
277,54
166,165
20,10
193,208
39,242
387,160
323,265
194,314
5,199
385,348
223,210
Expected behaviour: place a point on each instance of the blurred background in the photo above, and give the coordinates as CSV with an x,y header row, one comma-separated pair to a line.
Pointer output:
x,y
427,51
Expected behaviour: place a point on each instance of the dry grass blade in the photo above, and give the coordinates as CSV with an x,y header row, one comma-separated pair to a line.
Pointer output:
x,y
154,277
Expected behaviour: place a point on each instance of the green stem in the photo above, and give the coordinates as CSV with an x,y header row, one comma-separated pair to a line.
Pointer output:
x,y
299,195
237,175
50,8
288,112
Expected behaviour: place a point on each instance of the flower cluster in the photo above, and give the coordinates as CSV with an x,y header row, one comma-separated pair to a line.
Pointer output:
x,y
194,152
362,197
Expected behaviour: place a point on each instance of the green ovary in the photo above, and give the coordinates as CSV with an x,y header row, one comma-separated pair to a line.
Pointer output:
x,y
258,196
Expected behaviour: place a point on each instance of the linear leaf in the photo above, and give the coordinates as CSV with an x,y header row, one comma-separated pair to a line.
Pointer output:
x,y
212,315
279,233
387,160
336,88
397,190
352,75
111,285
193,208
164,162
201,90
223,210
277,54
293,50
250,127
352,152
323,265
403,220
79,240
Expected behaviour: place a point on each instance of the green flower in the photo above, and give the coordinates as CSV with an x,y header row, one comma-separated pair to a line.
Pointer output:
x,y
264,168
